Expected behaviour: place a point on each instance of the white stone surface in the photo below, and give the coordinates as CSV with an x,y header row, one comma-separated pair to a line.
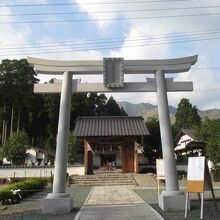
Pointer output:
x,y
166,134
57,205
37,172
106,195
128,87
172,203
96,66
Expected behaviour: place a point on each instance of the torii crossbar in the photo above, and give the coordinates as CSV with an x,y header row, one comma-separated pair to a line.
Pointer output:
x,y
113,70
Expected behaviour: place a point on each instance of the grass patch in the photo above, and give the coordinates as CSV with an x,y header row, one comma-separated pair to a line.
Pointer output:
x,y
24,188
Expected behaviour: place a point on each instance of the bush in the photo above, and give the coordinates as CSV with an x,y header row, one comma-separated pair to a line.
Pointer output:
x,y
216,170
3,180
6,194
148,170
27,187
14,149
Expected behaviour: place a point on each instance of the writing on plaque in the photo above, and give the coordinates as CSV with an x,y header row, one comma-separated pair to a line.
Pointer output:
x,y
198,175
160,169
196,168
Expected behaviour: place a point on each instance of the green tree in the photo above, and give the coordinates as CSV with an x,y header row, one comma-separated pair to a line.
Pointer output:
x,y
209,132
72,149
113,109
16,86
79,107
36,120
14,149
152,142
97,104
51,105
186,116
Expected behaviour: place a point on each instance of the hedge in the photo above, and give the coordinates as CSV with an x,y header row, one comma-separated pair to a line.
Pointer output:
x,y
27,187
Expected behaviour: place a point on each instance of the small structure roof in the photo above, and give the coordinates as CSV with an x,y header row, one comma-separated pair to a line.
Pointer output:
x,y
187,131
192,145
40,150
196,145
110,126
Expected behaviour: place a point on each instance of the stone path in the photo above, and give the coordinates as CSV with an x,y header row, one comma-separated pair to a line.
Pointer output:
x,y
112,195
115,203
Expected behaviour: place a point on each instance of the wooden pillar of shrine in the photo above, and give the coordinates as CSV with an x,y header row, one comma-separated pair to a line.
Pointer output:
x,y
88,159
128,157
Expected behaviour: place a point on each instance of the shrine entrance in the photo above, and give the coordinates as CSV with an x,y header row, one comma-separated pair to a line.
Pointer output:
x,y
107,158
109,143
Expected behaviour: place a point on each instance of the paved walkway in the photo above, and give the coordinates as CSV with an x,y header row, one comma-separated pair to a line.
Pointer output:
x,y
114,203
112,195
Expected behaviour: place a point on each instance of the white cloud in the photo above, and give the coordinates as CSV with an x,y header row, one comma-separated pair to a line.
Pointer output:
x,y
70,55
99,18
205,83
203,80
12,35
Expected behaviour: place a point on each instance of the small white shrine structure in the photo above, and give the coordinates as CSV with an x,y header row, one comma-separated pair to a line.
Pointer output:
x,y
188,144
113,70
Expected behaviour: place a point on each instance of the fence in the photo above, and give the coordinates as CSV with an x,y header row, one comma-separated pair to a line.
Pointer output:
x,y
7,172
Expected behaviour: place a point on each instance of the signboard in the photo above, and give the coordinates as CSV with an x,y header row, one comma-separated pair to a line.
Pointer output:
x,y
160,169
198,180
160,173
198,176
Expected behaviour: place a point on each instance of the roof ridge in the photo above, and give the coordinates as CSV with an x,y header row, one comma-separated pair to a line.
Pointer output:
x,y
110,117
110,126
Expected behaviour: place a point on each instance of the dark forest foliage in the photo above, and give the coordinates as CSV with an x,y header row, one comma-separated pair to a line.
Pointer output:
x,y
37,114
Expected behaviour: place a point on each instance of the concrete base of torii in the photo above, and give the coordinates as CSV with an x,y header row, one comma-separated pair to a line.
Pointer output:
x,y
174,201
62,204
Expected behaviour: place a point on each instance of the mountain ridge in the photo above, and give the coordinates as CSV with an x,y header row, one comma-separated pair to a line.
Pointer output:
x,y
148,110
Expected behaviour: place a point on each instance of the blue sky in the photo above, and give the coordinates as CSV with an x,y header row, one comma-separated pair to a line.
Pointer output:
x,y
141,29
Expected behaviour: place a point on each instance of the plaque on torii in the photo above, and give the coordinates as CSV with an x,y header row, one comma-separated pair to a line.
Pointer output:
x,y
113,71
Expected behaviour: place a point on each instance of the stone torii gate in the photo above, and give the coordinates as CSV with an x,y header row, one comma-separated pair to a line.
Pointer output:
x,y
113,70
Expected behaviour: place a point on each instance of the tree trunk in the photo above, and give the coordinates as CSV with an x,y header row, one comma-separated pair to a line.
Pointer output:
x,y
18,122
3,131
3,128
12,119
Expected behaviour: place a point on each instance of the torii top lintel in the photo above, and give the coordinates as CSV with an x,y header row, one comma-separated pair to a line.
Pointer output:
x,y
57,67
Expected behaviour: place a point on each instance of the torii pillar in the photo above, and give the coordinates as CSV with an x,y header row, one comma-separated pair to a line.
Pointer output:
x,y
171,198
113,70
59,201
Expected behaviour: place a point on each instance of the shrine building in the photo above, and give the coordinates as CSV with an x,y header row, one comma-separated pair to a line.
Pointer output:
x,y
111,139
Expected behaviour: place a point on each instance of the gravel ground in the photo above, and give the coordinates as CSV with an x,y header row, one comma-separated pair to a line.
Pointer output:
x,y
150,197
30,208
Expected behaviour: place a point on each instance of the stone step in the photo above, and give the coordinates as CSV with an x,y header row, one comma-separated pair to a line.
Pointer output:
x,y
103,179
118,171
100,182
109,178
101,176
103,184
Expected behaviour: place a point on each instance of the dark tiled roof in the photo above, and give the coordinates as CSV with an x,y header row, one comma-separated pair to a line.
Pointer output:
x,y
110,126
